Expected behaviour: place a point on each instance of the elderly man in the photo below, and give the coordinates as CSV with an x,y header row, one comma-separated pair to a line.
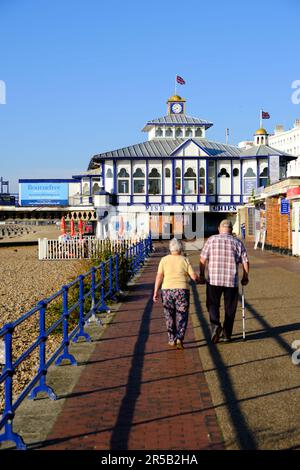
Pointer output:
x,y
223,253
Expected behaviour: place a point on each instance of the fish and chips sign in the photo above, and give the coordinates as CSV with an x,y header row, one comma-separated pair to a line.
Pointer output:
x,y
191,208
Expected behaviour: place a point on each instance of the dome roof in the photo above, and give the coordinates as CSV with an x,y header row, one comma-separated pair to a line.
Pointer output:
x,y
261,131
175,98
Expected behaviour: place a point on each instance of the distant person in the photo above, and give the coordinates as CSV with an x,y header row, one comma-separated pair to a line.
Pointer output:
x,y
173,274
223,253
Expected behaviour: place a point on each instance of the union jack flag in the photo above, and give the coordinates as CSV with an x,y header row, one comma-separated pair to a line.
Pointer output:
x,y
180,80
265,115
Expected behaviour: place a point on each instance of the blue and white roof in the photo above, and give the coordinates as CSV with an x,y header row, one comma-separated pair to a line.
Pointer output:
x,y
166,148
177,119
264,151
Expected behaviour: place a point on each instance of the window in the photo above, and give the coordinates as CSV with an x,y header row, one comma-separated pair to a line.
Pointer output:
x,y
109,173
96,187
236,172
158,132
123,181
154,182
188,132
86,189
178,132
190,186
202,181
263,177
169,132
223,172
167,173
139,181
211,178
198,132
178,180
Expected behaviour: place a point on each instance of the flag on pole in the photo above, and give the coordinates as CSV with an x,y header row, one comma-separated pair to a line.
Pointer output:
x,y
180,80
265,115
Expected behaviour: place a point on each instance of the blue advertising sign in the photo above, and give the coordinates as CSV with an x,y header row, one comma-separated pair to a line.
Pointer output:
x,y
40,193
284,206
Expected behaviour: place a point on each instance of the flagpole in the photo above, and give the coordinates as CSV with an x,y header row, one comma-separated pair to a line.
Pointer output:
x,y
260,119
175,85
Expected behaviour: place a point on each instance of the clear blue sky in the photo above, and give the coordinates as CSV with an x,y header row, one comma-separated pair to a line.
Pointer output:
x,y
83,76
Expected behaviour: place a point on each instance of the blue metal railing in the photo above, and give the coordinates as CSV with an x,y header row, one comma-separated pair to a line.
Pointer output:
x,y
92,290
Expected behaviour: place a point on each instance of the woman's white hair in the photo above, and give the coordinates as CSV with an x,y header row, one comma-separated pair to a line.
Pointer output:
x,y
175,246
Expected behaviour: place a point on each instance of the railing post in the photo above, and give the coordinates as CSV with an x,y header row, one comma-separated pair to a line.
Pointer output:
x,y
8,413
103,305
66,355
93,318
43,387
117,287
81,333
111,292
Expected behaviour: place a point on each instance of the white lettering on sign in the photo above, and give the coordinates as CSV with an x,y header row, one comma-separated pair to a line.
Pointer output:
x,y
183,208
224,208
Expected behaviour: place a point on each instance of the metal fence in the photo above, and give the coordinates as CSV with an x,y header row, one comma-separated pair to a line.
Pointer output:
x,y
66,312
78,248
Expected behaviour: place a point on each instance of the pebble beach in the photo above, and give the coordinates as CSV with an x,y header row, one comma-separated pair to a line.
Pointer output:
x,y
25,280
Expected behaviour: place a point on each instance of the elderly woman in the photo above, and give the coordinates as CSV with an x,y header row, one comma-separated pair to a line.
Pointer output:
x,y
173,274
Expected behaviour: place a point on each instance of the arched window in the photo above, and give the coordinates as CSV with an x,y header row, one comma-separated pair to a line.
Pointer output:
x,y
154,182
167,173
211,177
123,173
190,186
188,132
223,172
178,179
158,132
96,188
178,132
109,173
123,181
198,132
202,181
139,181
86,189
169,132
236,172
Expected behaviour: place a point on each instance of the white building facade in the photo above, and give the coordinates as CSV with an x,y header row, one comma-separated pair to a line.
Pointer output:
x,y
177,172
288,141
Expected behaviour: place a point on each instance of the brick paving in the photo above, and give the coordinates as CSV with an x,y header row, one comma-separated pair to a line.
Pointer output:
x,y
135,392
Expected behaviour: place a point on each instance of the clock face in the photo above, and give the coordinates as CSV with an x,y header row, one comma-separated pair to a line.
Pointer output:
x,y
176,108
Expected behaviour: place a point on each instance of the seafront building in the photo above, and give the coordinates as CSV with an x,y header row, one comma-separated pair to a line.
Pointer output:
x,y
163,182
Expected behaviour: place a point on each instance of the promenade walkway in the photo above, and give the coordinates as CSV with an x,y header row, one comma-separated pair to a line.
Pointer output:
x,y
135,392
132,391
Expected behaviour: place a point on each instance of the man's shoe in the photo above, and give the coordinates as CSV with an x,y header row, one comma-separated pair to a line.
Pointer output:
x,y
224,338
216,333
179,344
171,343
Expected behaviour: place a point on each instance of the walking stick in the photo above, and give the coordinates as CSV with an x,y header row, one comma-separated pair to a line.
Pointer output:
x,y
243,314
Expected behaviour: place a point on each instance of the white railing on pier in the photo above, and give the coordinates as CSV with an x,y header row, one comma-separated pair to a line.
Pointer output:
x,y
76,248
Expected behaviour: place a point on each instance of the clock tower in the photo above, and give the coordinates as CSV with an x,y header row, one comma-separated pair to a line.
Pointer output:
x,y
176,105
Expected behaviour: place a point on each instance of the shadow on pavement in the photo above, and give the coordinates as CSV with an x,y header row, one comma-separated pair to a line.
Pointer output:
x,y
244,435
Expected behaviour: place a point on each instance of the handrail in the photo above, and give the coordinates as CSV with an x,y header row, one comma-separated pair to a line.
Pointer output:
x,y
98,293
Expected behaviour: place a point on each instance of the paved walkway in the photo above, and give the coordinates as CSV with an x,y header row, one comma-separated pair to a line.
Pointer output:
x,y
131,391
135,391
